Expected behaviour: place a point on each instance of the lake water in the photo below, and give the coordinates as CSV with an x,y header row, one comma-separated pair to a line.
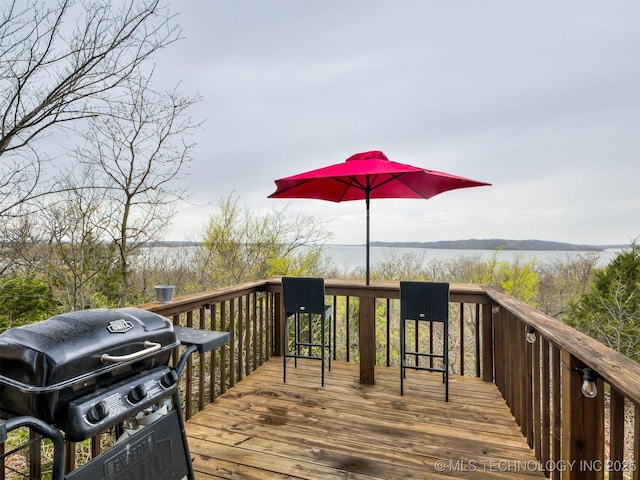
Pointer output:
x,y
349,257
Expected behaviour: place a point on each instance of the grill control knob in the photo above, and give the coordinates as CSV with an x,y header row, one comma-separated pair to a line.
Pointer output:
x,y
137,394
98,412
169,378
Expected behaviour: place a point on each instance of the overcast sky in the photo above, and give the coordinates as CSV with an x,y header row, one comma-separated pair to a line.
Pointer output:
x,y
539,98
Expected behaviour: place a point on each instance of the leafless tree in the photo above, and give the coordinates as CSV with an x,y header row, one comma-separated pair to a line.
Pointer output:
x,y
137,152
79,263
61,64
19,250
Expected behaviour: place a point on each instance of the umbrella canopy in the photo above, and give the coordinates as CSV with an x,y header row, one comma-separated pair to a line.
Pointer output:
x,y
368,175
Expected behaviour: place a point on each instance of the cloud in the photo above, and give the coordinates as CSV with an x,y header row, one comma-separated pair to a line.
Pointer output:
x,y
542,99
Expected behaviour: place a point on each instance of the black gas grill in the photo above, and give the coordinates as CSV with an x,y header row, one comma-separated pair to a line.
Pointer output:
x,y
85,372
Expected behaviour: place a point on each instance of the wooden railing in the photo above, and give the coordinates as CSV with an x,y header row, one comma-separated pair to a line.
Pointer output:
x,y
574,437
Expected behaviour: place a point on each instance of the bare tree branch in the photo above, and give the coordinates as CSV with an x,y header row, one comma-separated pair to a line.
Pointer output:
x,y
61,63
137,151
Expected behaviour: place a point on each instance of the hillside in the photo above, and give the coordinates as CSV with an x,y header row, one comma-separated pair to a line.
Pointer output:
x,y
496,244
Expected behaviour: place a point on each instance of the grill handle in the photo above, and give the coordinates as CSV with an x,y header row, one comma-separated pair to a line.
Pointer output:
x,y
148,348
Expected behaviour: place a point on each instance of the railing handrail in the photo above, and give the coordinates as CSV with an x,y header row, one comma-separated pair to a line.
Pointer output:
x,y
189,302
460,292
619,371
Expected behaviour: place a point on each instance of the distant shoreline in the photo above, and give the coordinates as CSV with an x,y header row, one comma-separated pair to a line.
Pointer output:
x,y
500,244
471,244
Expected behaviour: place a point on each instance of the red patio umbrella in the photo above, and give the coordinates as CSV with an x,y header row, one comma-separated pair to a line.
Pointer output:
x,y
368,175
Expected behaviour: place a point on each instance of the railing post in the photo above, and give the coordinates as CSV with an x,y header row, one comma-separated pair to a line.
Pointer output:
x,y
487,343
582,426
367,339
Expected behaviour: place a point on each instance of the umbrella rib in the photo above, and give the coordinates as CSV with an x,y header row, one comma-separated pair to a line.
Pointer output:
x,y
392,177
353,181
370,186
396,176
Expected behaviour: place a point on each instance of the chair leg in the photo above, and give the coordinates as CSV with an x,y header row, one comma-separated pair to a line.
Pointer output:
x,y
322,357
285,346
296,339
446,388
329,345
402,359
445,360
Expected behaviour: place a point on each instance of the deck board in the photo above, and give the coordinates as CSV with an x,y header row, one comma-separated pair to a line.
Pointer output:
x,y
265,429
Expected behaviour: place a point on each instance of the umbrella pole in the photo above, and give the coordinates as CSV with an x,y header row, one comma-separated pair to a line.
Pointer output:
x,y
367,257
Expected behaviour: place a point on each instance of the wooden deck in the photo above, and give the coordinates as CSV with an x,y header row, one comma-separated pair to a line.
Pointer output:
x,y
266,429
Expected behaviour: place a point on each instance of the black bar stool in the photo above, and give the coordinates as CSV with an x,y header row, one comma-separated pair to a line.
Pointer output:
x,y
426,302
303,300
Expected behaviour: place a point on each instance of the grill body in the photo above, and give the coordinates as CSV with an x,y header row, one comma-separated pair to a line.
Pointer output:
x,y
46,366
85,372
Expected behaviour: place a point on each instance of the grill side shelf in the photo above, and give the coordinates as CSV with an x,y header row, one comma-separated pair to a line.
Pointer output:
x,y
205,340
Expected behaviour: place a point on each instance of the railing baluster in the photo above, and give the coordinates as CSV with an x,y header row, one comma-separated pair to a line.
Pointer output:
x,y
616,434
255,348
477,339
35,455
202,362
188,397
556,454
70,457
348,329
461,320
388,332
636,441
2,462
247,334
213,308
487,351
223,351
233,356
545,396
239,316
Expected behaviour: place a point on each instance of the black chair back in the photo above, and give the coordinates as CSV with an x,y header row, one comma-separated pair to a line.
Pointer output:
x,y
427,301
303,295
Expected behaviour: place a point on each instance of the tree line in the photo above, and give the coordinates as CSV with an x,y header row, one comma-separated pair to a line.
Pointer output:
x,y
239,245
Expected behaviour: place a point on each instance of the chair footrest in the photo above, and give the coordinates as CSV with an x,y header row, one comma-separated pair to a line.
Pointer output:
x,y
314,357
428,369
430,355
318,345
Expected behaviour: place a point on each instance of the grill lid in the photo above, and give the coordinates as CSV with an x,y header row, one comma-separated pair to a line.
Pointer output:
x,y
76,345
